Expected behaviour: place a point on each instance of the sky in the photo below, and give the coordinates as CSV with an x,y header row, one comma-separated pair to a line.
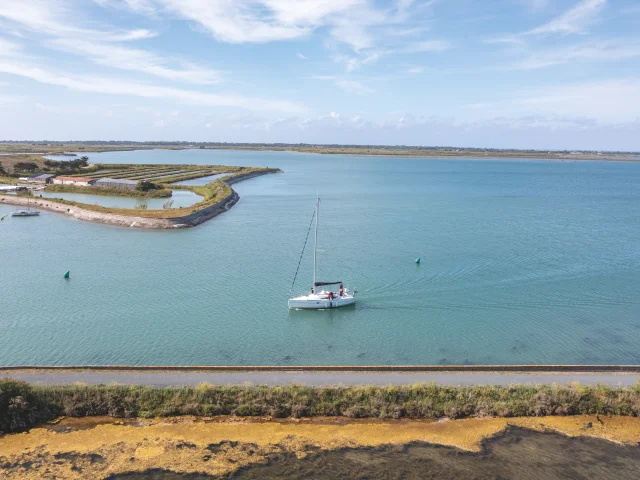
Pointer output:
x,y
541,74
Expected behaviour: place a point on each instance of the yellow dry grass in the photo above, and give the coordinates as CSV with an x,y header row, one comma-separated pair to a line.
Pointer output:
x,y
180,444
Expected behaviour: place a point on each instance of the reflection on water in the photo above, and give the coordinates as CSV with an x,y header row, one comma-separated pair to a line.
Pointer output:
x,y
181,198
516,454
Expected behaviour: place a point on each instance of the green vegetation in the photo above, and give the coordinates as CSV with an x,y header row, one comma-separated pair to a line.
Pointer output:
x,y
146,186
25,167
119,192
21,404
81,162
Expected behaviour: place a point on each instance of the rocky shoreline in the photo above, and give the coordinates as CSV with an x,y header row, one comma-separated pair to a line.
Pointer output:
x,y
133,221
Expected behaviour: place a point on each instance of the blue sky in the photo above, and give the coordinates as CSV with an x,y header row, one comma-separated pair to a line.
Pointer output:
x,y
541,74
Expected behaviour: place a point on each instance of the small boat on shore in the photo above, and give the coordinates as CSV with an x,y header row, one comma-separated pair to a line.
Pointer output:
x,y
319,300
28,212
25,213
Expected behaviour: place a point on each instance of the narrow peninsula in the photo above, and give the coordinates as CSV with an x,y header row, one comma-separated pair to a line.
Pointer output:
x,y
24,181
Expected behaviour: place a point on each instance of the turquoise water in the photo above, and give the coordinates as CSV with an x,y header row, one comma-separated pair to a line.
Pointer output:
x,y
181,198
522,262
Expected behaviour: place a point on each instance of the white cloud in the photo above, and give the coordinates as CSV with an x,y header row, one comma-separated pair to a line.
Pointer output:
x,y
535,4
9,48
125,58
593,51
145,7
354,23
114,86
608,101
9,99
406,32
257,21
505,39
54,17
478,106
303,57
353,86
426,46
348,85
415,70
574,20
354,62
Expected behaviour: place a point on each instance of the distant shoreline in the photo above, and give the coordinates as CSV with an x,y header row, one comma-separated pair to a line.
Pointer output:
x,y
367,151
428,155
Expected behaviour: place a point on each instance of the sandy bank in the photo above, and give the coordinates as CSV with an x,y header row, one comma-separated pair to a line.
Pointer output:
x,y
133,221
97,448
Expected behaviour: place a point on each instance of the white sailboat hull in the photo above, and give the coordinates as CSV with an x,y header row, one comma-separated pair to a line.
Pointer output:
x,y
25,213
324,299
320,302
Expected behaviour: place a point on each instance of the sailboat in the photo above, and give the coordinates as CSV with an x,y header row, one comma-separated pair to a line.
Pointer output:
x,y
28,212
321,299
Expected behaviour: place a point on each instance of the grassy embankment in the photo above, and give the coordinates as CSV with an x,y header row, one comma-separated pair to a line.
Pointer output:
x,y
23,405
118,192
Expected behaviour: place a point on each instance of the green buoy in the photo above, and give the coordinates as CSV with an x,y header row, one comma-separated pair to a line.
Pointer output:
x,y
66,275
418,260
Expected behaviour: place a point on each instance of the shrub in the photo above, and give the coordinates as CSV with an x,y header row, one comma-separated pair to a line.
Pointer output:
x,y
19,407
25,167
146,186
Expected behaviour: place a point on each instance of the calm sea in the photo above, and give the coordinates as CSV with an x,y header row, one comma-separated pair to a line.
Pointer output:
x,y
522,262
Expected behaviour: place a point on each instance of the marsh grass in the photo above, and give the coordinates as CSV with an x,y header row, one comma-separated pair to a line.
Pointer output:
x,y
112,192
22,405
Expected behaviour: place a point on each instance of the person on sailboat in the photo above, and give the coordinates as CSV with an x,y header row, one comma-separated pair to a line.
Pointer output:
x,y
330,295
341,290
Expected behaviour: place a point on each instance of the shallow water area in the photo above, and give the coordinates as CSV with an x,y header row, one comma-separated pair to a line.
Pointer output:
x,y
523,261
181,198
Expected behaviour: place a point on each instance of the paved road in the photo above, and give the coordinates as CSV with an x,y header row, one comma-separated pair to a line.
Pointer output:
x,y
171,379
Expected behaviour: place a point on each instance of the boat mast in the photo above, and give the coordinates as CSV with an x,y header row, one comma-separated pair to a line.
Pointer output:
x,y
315,244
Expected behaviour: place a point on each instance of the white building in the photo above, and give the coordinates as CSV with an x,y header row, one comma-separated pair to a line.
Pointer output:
x,y
78,181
